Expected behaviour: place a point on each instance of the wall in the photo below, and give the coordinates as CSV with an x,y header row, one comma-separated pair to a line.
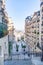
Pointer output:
x,y
4,46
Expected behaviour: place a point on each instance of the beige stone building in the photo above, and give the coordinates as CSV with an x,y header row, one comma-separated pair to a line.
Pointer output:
x,y
3,30
32,30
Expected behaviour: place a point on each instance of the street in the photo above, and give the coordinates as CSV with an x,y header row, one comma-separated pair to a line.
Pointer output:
x,y
18,62
21,32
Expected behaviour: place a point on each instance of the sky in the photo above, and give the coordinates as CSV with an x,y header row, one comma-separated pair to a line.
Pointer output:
x,y
18,10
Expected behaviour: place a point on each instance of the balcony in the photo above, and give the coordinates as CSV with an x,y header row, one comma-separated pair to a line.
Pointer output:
x,y
3,30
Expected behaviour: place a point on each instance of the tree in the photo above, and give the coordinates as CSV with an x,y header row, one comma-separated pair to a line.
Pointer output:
x,y
10,47
3,30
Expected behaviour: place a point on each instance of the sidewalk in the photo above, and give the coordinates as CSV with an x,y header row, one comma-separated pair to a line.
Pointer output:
x,y
37,61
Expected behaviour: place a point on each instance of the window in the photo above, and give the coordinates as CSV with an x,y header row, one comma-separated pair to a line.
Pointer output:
x,y
32,26
1,1
42,9
38,44
38,20
2,19
38,26
34,43
37,32
42,39
38,13
41,31
41,4
42,17
42,23
38,38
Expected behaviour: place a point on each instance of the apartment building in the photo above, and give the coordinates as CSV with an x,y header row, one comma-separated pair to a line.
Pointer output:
x,y
41,23
3,29
32,30
41,26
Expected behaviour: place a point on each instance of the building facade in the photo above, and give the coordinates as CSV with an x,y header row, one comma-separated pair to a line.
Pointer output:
x,y
41,26
3,28
41,23
32,31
